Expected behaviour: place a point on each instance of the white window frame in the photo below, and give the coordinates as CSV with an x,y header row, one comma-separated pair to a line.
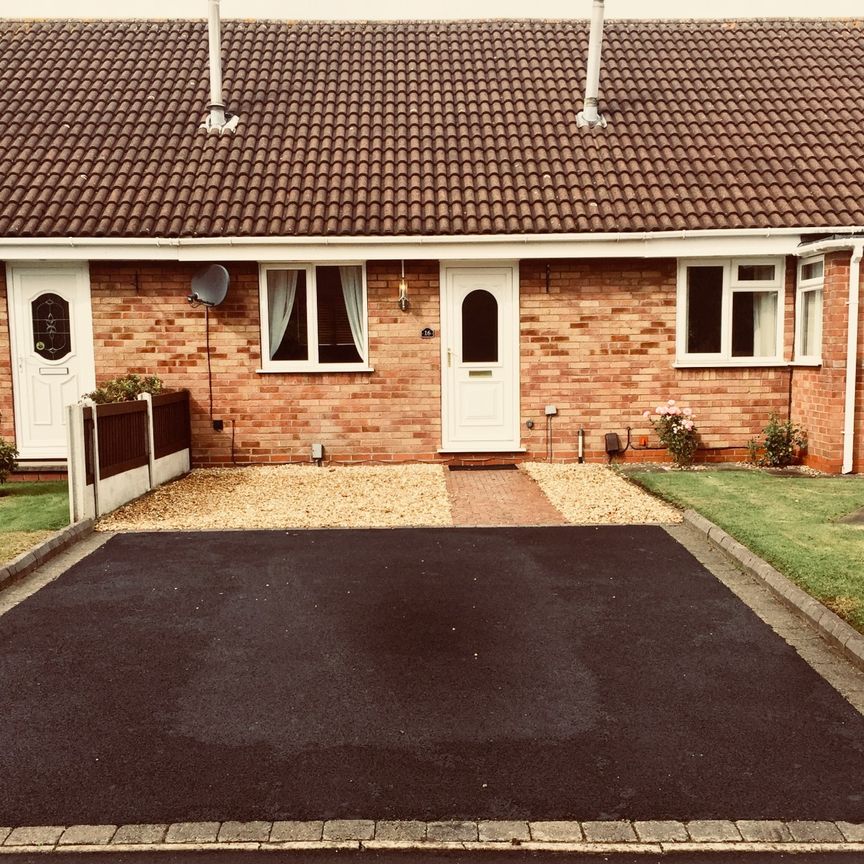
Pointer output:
x,y
731,286
311,364
803,287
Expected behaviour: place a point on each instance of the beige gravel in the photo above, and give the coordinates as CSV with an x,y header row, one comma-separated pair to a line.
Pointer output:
x,y
291,496
597,495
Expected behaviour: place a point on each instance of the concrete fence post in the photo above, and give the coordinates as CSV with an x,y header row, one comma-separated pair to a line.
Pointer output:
x,y
151,446
81,502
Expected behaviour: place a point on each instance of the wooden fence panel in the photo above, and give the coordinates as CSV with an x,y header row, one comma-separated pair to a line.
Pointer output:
x,y
171,423
122,436
89,474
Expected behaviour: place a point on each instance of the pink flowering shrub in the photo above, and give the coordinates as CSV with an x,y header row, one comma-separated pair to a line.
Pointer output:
x,y
677,431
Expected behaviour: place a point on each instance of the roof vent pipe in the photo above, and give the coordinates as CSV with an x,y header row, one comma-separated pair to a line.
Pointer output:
x,y
217,120
590,116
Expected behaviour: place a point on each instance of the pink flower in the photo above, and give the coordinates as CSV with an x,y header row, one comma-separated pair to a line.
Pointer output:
x,y
673,409
688,425
646,413
662,409
687,412
671,402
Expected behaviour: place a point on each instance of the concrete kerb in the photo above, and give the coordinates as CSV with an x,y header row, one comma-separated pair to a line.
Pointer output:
x,y
832,628
52,546
599,837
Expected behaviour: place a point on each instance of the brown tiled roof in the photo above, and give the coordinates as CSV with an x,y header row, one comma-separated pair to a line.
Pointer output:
x,y
434,128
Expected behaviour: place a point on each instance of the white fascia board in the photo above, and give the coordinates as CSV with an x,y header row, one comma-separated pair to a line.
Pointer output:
x,y
660,244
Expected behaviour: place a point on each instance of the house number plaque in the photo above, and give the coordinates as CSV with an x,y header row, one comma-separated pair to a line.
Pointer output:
x,y
427,333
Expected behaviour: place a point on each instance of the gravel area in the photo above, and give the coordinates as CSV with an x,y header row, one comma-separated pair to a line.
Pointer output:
x,y
597,495
291,496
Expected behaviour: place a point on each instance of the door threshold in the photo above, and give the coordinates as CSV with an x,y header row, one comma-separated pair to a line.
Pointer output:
x,y
477,451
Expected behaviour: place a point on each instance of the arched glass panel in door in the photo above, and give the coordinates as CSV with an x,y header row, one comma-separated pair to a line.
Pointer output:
x,y
51,330
479,327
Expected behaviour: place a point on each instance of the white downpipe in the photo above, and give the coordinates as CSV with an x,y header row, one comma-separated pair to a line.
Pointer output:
x,y
214,30
590,114
851,357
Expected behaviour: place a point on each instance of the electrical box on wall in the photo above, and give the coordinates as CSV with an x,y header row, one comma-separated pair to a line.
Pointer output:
x,y
317,451
551,410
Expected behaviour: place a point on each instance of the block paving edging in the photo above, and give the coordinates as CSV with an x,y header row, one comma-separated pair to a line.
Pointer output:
x,y
28,561
833,628
596,836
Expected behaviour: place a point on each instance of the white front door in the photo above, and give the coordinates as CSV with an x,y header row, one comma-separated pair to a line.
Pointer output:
x,y
480,358
52,352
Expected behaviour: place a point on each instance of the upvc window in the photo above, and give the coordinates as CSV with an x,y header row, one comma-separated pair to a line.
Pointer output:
x,y
730,312
313,317
808,310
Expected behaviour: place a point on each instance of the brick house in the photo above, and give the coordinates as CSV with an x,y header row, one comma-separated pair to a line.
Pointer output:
x,y
703,246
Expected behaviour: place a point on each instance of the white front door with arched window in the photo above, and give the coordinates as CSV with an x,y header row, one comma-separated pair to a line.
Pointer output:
x,y
52,352
479,358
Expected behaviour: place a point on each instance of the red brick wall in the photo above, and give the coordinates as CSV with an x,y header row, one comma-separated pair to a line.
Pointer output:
x,y
819,393
143,323
600,346
7,420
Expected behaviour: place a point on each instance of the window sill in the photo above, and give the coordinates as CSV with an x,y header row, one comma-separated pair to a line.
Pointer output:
x,y
309,370
807,362
744,363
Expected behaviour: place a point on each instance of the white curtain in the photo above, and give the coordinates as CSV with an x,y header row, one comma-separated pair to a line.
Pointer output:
x,y
352,291
764,324
281,291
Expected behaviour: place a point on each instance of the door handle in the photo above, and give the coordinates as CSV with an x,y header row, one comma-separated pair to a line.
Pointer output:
x,y
449,356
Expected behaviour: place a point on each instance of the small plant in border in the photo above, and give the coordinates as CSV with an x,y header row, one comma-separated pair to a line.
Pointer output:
x,y
676,430
125,389
780,440
8,454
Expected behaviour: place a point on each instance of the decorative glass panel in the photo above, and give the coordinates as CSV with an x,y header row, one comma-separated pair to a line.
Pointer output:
x,y
479,327
755,272
51,330
704,309
754,324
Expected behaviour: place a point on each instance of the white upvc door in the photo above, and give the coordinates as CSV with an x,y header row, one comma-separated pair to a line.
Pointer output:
x,y
51,333
480,358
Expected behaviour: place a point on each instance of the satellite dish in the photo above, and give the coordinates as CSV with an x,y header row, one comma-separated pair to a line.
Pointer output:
x,y
210,286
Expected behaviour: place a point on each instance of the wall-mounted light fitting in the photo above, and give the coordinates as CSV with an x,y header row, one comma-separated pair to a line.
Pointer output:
x,y
403,291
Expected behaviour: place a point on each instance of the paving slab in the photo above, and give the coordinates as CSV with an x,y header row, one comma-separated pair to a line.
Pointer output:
x,y
306,675
295,831
503,831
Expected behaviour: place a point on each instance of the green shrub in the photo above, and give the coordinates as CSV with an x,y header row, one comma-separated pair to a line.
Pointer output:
x,y
8,453
780,440
125,389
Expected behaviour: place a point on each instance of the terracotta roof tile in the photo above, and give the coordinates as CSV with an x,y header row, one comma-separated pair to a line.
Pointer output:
x,y
433,128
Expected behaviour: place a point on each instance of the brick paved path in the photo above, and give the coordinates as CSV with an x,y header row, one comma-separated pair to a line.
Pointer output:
x,y
499,498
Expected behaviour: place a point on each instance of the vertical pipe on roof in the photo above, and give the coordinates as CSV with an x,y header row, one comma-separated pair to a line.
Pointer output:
x,y
214,30
590,115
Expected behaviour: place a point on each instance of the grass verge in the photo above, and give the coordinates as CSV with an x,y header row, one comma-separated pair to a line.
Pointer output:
x,y
788,521
29,512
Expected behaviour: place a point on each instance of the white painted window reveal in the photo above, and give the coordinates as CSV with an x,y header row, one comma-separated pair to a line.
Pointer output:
x,y
808,310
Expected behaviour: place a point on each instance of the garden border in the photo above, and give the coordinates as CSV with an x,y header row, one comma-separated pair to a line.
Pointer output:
x,y
830,626
43,552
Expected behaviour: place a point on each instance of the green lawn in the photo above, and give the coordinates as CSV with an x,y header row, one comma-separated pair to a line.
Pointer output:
x,y
788,521
29,512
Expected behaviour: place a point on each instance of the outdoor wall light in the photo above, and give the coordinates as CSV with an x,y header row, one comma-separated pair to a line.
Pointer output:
x,y
403,291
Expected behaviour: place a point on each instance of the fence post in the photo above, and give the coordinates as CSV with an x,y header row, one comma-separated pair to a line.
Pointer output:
x,y
151,447
76,466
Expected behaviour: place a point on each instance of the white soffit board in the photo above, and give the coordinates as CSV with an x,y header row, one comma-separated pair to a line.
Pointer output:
x,y
672,244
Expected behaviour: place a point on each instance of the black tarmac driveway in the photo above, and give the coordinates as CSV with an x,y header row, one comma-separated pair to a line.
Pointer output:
x,y
531,673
